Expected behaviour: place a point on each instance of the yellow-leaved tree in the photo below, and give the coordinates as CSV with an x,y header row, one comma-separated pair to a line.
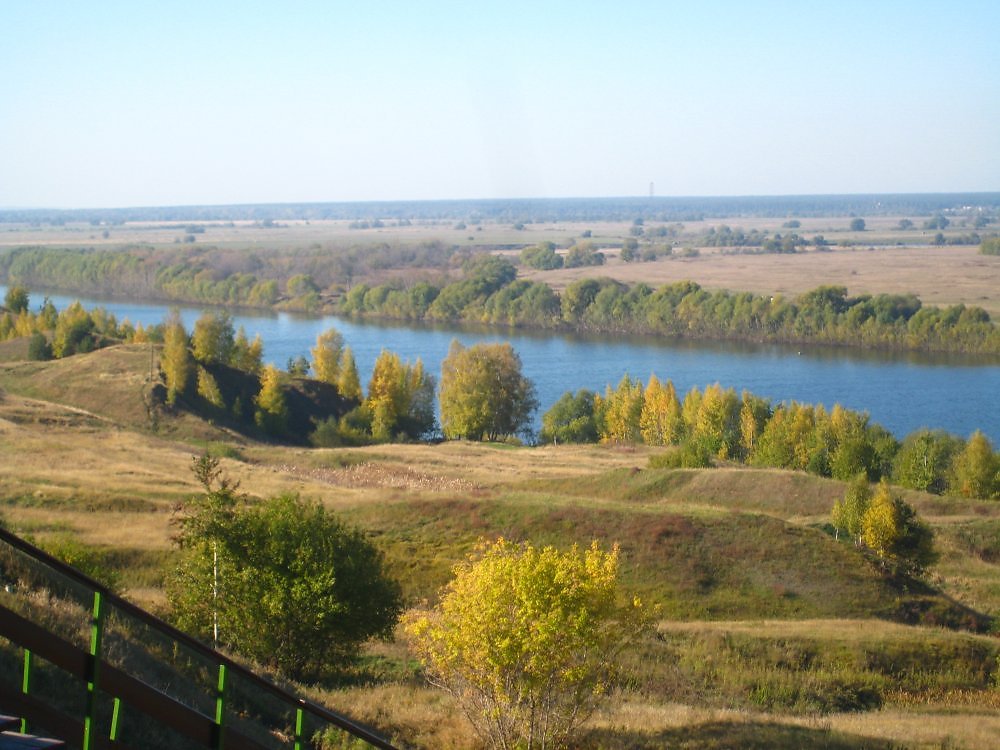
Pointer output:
x,y
348,382
483,394
272,412
880,527
527,640
887,526
660,420
176,361
326,356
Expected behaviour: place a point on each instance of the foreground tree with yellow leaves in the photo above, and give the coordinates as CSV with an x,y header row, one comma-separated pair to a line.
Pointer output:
x,y
527,640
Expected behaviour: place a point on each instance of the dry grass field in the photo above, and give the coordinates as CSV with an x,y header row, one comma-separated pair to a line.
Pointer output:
x,y
937,275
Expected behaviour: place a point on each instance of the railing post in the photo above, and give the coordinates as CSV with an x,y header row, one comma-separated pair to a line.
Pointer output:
x,y
298,727
26,684
220,707
115,718
96,630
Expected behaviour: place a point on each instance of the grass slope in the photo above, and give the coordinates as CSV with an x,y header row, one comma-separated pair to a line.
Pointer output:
x,y
768,621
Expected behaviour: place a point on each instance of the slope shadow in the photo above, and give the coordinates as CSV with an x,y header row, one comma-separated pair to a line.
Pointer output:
x,y
721,735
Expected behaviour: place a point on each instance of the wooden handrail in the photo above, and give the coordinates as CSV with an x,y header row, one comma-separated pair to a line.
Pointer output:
x,y
75,658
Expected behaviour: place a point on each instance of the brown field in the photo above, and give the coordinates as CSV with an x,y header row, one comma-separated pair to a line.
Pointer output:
x,y
937,275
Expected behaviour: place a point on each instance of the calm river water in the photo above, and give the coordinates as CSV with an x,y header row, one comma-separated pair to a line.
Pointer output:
x,y
903,392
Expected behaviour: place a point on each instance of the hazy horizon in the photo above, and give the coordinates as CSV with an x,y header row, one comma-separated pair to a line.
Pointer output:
x,y
119,105
994,194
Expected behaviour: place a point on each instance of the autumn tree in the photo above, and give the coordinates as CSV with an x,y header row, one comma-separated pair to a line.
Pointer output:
x,y
977,468
754,415
619,412
247,355
483,394
879,525
73,331
886,526
660,421
16,299
716,423
213,339
208,388
326,356
348,382
528,640
176,361
400,398
272,412
891,529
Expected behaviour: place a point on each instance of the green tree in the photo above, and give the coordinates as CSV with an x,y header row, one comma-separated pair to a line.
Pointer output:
x,y
483,394
630,250
326,356
294,587
990,246
542,256
857,225
924,460
528,640
297,367
848,513
39,348
976,468
272,411
570,420
583,254
176,361
16,299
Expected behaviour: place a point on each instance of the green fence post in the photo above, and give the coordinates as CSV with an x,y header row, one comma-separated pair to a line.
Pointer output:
x,y
26,684
220,707
115,717
298,728
96,629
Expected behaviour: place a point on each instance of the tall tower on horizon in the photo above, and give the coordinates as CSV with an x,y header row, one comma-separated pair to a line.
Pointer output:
x,y
650,189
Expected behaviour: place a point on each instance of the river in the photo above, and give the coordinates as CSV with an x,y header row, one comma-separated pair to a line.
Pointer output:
x,y
903,392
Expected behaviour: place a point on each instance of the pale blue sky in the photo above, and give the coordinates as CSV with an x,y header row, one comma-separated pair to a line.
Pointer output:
x,y
142,103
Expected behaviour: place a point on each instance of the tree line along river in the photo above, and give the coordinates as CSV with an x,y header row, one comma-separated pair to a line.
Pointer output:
x,y
902,391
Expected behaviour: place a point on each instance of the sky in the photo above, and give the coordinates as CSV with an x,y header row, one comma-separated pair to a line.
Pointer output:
x,y
109,104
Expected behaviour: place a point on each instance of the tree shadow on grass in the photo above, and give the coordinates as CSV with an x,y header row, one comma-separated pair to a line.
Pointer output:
x,y
723,735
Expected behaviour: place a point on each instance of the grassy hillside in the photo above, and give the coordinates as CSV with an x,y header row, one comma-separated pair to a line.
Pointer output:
x,y
769,622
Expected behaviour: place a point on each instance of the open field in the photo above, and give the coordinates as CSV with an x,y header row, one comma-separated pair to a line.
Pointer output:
x,y
937,275
880,259
769,624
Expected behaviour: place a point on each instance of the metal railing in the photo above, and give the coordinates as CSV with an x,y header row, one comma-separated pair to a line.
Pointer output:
x,y
137,682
